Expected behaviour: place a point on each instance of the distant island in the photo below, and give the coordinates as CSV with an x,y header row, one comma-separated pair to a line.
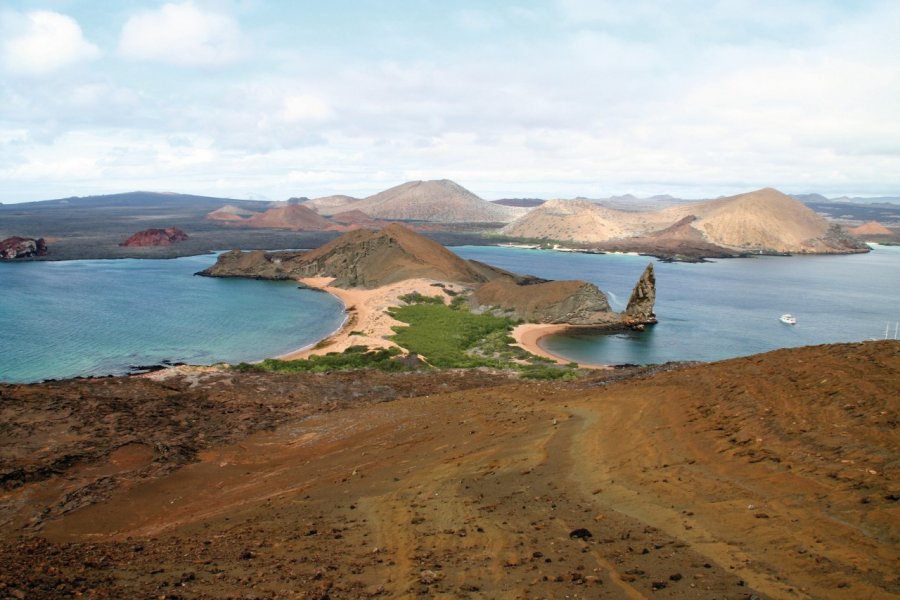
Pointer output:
x,y
761,222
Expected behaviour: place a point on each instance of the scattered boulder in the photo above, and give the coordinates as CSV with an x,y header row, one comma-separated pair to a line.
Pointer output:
x,y
155,237
19,247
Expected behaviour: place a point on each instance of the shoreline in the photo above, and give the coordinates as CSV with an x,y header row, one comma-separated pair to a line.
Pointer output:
x,y
367,322
529,335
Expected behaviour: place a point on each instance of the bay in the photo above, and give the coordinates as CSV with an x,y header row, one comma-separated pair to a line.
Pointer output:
x,y
725,308
99,317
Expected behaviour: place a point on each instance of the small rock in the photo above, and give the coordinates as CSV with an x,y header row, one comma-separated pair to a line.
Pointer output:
x,y
675,577
658,585
580,534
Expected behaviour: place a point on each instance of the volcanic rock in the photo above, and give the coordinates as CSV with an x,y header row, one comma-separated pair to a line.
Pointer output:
x,y
640,306
19,247
361,258
155,237
570,302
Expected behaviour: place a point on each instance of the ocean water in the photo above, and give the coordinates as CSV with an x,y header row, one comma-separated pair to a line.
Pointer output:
x,y
99,317
726,308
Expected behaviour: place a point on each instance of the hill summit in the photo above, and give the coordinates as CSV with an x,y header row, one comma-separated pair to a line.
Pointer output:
x,y
438,201
763,221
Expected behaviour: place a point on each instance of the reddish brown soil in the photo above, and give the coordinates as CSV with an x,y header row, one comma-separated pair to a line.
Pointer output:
x,y
769,476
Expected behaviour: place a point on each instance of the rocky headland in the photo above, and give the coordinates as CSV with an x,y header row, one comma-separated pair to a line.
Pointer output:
x,y
372,259
19,247
155,237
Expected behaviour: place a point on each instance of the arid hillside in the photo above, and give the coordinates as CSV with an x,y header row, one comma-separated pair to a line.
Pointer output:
x,y
771,476
762,221
330,205
360,258
441,201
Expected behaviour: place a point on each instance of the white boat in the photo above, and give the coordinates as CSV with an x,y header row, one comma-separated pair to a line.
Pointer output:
x,y
788,319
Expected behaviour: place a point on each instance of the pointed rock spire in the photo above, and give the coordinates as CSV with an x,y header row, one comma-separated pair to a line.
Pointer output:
x,y
640,305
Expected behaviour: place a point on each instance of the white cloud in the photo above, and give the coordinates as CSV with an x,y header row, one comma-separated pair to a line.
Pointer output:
x,y
304,108
182,34
43,41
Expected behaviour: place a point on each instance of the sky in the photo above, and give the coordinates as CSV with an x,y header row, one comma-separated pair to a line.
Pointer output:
x,y
270,100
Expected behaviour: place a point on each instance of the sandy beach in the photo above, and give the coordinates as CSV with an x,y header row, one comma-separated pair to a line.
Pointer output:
x,y
367,322
529,335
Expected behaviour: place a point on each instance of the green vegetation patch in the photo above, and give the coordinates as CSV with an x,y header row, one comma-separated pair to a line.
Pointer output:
x,y
354,357
444,336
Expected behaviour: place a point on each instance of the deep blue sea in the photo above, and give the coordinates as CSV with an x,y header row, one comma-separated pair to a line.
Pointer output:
x,y
726,308
99,317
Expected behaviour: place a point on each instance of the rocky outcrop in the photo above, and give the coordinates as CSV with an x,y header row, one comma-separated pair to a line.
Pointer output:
x,y
155,237
361,258
256,264
639,311
371,259
19,247
570,302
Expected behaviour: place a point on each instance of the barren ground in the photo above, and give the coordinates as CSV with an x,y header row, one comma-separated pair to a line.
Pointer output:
x,y
767,476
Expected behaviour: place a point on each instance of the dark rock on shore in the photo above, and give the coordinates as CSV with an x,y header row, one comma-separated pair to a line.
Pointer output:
x,y
19,247
155,237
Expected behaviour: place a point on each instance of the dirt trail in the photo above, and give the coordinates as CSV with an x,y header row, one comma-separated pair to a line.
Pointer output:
x,y
704,482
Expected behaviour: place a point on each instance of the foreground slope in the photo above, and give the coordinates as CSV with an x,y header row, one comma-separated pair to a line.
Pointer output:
x,y
771,476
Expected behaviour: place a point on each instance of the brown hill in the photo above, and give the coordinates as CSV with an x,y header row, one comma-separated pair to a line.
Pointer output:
x,y
155,237
295,217
570,302
440,201
762,221
770,476
329,205
360,258
581,221
870,228
355,219
229,212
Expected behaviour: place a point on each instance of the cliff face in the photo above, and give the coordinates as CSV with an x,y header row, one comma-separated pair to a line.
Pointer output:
x,y
155,237
640,306
19,247
571,302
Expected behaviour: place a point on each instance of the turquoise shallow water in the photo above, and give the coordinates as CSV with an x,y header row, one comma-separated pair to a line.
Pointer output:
x,y
98,317
727,308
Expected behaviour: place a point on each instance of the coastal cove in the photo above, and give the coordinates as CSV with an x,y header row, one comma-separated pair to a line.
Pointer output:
x,y
105,316
723,308
102,317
